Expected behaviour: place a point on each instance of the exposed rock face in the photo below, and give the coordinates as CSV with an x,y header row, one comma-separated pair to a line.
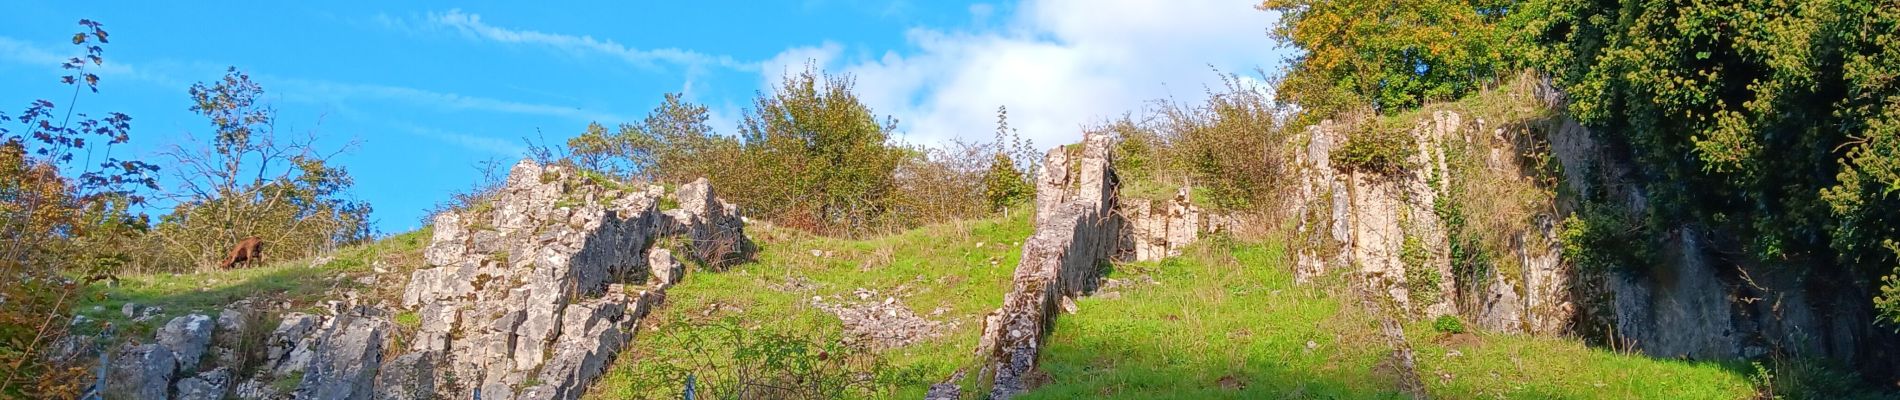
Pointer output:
x,y
1158,230
141,372
1698,304
529,300
1693,303
1377,222
713,227
516,279
345,359
210,385
1076,231
407,377
666,270
530,297
187,337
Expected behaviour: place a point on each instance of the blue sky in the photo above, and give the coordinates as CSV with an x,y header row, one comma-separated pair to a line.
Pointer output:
x,y
425,91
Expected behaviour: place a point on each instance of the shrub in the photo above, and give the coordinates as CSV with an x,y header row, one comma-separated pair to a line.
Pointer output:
x,y
1233,145
1375,150
1448,324
61,218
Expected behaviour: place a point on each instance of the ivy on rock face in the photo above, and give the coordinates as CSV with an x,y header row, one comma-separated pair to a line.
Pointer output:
x,y
1776,117
1776,123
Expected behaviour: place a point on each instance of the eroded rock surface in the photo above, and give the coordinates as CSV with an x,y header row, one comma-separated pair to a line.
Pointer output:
x,y
529,296
1077,230
1160,229
531,300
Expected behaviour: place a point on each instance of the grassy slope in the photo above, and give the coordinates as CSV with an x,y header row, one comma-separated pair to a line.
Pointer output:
x,y
303,283
1222,311
941,266
1232,311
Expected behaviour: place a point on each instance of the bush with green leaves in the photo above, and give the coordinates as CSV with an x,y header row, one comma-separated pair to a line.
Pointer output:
x,y
1376,151
1448,324
67,219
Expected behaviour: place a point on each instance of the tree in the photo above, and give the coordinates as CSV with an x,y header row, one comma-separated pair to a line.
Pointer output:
x,y
1775,119
249,181
673,144
61,191
819,157
1389,55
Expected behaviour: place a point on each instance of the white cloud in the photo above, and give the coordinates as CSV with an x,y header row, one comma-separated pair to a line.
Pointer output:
x,y
504,148
793,60
472,25
313,90
1059,65
26,53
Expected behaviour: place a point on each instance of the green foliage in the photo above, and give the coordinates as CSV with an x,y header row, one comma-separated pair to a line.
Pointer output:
x,y
1808,378
1603,238
730,359
1231,149
1374,150
65,222
673,144
1774,122
1138,151
1422,281
824,161
1887,303
1389,55
1448,324
1004,186
253,182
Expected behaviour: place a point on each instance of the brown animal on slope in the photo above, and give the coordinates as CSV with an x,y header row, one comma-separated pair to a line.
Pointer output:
x,y
250,250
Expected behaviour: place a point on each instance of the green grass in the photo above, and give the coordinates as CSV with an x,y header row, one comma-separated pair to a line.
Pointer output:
x,y
939,266
301,282
1223,313
1230,313
1224,321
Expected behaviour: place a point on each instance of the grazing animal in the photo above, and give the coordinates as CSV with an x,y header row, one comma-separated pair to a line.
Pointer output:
x,y
250,250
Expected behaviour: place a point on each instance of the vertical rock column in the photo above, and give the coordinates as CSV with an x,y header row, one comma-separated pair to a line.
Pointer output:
x,y
1077,231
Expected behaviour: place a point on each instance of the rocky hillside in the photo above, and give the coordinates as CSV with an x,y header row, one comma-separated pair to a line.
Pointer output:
x,y
528,295
569,285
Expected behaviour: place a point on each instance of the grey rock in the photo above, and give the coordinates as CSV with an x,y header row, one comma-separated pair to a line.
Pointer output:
x,y
407,377
666,271
1158,230
210,385
141,372
1077,228
346,358
187,337
524,291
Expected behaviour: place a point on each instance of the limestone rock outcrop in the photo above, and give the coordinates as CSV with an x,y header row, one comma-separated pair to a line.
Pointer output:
x,y
534,297
528,296
1696,301
187,337
1077,230
1378,222
1160,229
141,372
